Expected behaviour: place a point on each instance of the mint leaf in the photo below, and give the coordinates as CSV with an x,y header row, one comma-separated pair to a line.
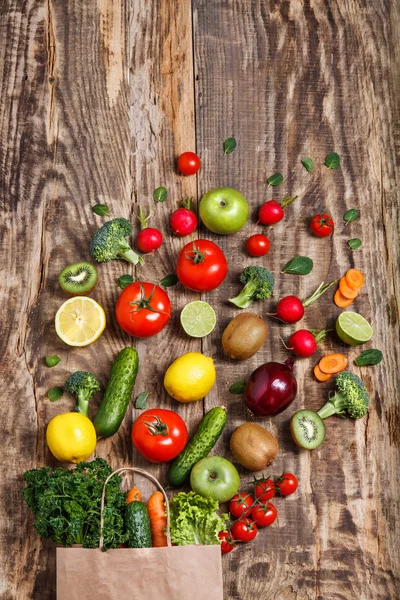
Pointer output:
x,y
124,280
55,393
332,160
229,145
275,180
52,361
101,210
141,400
308,164
160,194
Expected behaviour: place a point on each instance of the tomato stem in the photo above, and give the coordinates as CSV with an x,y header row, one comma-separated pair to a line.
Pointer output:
x,y
198,256
157,428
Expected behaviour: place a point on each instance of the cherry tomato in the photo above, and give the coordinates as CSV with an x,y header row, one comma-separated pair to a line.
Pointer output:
x,y
270,213
202,266
240,505
228,542
258,245
244,530
287,484
143,309
188,163
265,514
264,489
159,434
149,239
322,225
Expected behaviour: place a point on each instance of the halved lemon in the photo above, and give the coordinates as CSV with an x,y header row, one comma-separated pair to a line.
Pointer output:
x,y
80,321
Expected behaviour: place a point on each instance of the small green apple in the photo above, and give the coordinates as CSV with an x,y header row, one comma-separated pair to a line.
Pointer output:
x,y
215,477
224,210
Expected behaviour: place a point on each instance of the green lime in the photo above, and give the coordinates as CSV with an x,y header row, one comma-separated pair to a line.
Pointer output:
x,y
353,329
198,318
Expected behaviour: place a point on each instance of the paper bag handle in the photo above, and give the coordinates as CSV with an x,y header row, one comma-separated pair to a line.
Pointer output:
x,y
145,474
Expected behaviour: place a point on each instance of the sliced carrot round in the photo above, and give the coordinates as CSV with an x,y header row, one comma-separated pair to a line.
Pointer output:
x,y
332,363
320,375
341,301
354,279
346,290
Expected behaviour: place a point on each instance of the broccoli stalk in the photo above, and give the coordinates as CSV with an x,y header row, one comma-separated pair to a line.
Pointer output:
x,y
109,243
351,398
259,285
85,386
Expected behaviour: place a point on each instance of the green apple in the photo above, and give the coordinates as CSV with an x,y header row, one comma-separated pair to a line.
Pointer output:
x,y
224,210
215,477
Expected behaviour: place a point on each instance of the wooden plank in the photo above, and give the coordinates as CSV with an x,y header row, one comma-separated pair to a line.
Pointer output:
x,y
290,80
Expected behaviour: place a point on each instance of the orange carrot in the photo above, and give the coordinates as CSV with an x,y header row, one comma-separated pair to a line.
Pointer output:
x,y
134,495
332,363
354,279
320,375
158,519
341,301
346,290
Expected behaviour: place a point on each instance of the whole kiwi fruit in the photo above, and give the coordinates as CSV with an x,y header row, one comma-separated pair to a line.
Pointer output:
x,y
253,446
244,336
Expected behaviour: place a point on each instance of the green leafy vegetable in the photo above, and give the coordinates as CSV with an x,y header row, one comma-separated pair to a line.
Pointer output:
x,y
354,244
66,504
160,194
275,180
238,387
55,393
351,215
52,360
332,160
369,357
169,280
124,280
229,145
308,164
194,520
101,209
141,400
299,265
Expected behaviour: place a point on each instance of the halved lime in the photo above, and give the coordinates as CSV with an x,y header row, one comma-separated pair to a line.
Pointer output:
x,y
353,329
198,318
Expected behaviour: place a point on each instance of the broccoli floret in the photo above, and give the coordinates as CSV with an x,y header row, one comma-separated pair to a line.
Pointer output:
x,y
109,243
259,285
351,398
85,386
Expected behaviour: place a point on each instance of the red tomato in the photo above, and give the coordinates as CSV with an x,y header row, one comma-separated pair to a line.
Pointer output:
x,y
258,245
143,309
159,434
264,515
322,225
188,163
264,489
240,505
202,266
227,543
244,530
287,484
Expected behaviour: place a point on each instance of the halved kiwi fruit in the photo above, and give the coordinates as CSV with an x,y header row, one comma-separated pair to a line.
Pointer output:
x,y
308,429
78,279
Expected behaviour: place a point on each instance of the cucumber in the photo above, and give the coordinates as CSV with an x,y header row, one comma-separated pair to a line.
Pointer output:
x,y
204,439
137,525
118,393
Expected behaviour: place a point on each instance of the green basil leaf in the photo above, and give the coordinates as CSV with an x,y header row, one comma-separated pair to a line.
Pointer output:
x,y
141,400
332,161
124,280
169,280
101,209
160,194
308,164
52,360
229,145
275,180
354,244
238,387
55,393
299,265
369,357
351,215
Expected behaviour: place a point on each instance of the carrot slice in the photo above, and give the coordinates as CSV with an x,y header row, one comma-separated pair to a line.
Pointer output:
x,y
354,279
320,375
346,290
341,301
134,495
332,363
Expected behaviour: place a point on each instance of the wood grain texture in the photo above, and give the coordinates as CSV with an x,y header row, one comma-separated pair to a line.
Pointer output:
x,y
96,102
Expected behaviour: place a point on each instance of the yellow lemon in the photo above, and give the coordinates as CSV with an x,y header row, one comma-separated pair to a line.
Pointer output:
x,y
190,377
71,437
80,321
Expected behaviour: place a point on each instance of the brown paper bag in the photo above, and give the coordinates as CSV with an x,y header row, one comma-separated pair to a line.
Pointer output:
x,y
171,573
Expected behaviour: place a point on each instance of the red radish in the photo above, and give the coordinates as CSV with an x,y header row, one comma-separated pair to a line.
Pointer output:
x,y
183,221
290,309
272,212
258,245
149,239
303,343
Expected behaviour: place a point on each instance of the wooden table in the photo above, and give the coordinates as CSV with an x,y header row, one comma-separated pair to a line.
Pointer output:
x,y
97,99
